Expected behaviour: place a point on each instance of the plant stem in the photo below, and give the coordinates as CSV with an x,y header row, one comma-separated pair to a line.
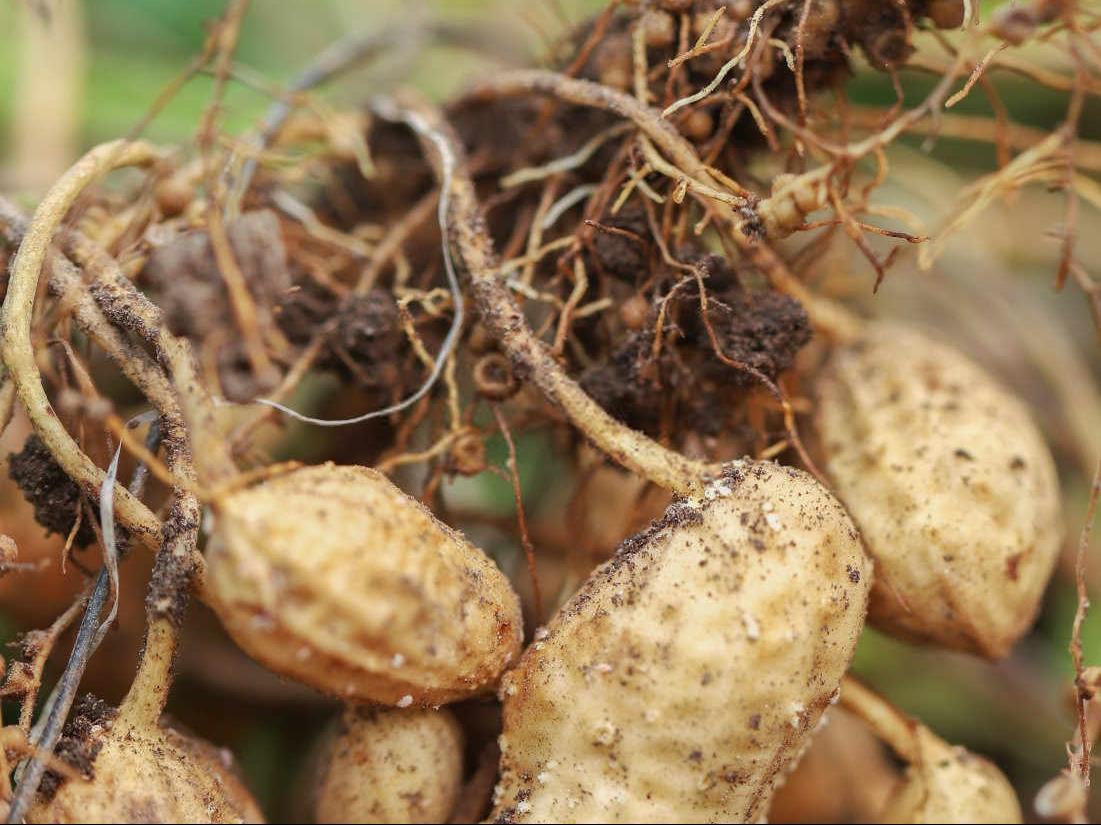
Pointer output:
x,y
15,344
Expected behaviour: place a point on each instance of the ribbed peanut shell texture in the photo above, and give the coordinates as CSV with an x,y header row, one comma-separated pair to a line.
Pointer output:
x,y
951,785
390,765
951,484
153,776
335,577
679,683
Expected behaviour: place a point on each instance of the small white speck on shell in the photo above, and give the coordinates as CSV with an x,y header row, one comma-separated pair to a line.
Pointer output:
x,y
405,701
752,628
397,661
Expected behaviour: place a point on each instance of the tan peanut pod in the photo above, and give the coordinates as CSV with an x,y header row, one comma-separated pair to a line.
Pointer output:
x,y
690,669
950,784
388,765
942,783
152,775
951,484
335,577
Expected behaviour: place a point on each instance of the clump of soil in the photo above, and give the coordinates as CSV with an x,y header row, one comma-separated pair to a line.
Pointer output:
x,y
192,292
624,254
365,341
81,740
54,496
763,330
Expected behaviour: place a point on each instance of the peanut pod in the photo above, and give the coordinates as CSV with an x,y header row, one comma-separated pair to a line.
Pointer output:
x,y
689,671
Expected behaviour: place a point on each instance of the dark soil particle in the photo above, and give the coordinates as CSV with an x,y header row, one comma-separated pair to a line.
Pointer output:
x,y
366,340
170,582
763,330
622,255
54,496
79,744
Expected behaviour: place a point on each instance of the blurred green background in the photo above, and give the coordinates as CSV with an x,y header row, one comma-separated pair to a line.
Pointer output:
x,y
120,55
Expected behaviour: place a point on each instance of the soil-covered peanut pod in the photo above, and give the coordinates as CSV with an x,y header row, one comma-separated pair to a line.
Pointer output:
x,y
683,678
144,774
951,484
335,577
385,765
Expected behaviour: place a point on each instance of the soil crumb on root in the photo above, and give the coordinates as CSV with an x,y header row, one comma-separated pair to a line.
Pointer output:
x,y
762,330
80,742
54,496
366,343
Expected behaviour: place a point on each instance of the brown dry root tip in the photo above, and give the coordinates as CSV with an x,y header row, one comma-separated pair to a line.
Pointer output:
x,y
688,672
335,577
146,773
380,765
15,344
531,359
952,486
494,378
943,783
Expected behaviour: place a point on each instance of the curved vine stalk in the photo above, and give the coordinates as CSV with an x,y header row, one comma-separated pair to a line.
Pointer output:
x,y
15,343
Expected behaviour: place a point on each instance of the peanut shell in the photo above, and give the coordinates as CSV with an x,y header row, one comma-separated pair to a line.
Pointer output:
x,y
951,484
690,669
335,577
387,765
